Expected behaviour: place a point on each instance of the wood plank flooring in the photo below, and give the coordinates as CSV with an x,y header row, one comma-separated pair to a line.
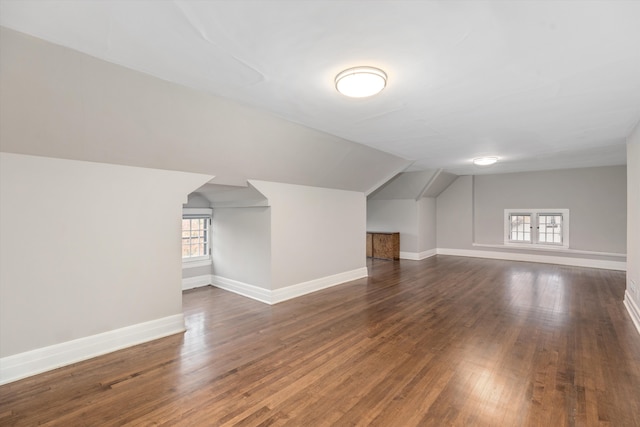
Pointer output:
x,y
444,341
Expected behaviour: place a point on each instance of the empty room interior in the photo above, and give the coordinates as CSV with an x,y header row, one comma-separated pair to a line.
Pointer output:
x,y
319,213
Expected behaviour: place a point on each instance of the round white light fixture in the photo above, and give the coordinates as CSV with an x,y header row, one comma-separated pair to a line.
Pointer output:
x,y
484,161
360,82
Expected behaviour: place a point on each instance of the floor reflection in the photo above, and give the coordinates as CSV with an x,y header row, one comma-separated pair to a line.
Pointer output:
x,y
542,295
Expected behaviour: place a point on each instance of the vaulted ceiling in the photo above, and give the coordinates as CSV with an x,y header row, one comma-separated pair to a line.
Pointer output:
x,y
540,84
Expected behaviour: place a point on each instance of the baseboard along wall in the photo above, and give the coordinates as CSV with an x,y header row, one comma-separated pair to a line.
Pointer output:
x,y
22,365
269,296
546,259
418,256
196,282
633,309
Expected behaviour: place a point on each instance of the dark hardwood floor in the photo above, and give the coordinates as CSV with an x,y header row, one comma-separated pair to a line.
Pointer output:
x,y
444,341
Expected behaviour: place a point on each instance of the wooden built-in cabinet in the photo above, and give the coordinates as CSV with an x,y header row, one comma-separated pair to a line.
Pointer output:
x,y
383,245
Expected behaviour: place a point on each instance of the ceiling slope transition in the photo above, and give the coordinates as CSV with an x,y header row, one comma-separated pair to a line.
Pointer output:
x,y
414,185
58,102
541,84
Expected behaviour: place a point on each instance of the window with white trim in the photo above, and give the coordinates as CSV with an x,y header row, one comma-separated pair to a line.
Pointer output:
x,y
195,237
539,227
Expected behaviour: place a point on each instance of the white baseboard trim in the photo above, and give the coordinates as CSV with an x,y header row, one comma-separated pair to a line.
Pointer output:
x,y
275,296
196,282
241,288
549,249
633,309
417,256
547,259
22,365
293,291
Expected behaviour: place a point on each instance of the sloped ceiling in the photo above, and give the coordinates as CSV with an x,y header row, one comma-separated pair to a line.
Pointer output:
x,y
226,196
438,184
541,84
58,102
408,185
414,185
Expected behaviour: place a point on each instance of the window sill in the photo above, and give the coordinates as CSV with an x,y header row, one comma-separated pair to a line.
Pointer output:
x,y
541,248
196,263
535,246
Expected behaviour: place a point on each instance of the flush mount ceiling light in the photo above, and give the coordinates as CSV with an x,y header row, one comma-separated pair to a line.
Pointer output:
x,y
360,82
484,161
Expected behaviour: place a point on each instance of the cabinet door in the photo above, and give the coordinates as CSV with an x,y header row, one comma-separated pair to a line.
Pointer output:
x,y
382,246
369,245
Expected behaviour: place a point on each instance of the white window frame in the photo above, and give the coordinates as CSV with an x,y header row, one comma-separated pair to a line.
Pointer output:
x,y
194,213
535,243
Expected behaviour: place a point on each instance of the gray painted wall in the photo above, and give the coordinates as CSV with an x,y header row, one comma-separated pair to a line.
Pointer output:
x,y
203,270
91,255
633,214
454,215
241,245
395,215
427,225
315,232
595,197
415,220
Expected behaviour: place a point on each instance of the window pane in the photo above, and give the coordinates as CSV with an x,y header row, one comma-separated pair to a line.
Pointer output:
x,y
550,228
194,250
194,237
520,228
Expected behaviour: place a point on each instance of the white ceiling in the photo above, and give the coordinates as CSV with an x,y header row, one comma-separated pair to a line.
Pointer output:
x,y
541,84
